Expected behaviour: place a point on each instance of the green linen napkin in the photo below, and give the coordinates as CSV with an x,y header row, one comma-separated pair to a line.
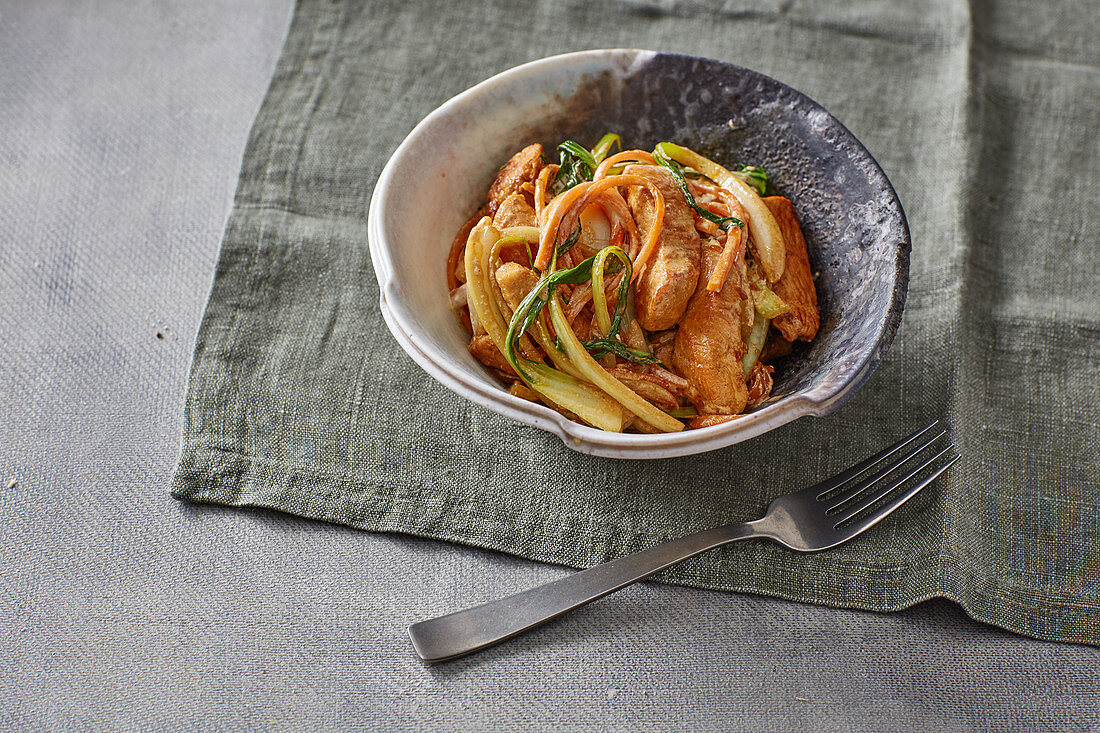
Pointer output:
x,y
984,117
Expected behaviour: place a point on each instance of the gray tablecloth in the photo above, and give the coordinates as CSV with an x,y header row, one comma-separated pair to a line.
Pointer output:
x,y
122,130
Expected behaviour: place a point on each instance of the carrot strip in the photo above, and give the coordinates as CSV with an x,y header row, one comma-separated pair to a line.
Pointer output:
x,y
551,219
735,243
611,161
458,249
618,213
564,210
734,248
541,188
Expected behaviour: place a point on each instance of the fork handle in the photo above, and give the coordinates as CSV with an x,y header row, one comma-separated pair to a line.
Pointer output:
x,y
475,628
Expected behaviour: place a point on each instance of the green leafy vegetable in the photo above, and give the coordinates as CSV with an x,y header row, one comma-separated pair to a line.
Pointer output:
x,y
754,176
575,165
603,147
569,241
529,308
579,153
610,345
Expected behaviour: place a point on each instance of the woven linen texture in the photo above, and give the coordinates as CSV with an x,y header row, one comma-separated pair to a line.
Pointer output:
x,y
983,116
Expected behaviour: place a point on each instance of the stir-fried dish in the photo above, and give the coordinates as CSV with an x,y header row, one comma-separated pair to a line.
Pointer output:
x,y
633,290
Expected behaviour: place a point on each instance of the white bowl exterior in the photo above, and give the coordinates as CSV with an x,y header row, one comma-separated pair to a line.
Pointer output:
x,y
434,180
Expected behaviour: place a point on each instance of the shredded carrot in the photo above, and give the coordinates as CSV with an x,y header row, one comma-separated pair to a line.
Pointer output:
x,y
734,250
550,219
613,160
542,187
730,253
565,209
706,227
618,213
458,250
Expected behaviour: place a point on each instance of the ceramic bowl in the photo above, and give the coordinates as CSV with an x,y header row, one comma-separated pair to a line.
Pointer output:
x,y
855,228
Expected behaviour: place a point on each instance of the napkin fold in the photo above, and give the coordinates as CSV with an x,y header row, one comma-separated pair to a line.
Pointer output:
x,y
983,116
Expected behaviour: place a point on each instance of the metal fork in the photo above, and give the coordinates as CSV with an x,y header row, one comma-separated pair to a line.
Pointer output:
x,y
817,518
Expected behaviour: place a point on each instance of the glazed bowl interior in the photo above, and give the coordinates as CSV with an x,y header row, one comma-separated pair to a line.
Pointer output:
x,y
854,225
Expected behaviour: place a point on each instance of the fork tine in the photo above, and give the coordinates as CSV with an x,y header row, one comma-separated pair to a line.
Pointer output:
x,y
881,512
850,493
855,471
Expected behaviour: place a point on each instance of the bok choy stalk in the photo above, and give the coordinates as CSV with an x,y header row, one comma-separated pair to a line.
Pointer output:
x,y
527,312
767,240
610,327
754,176
587,402
755,343
768,304
603,147
595,373
528,309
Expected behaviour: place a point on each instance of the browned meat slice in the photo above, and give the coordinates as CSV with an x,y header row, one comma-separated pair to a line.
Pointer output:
x,y
705,421
775,347
485,351
796,287
514,211
515,252
662,345
523,167
646,386
662,292
759,384
708,347
515,282
456,268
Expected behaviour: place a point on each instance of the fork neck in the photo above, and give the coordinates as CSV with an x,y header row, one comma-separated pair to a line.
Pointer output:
x,y
746,530
730,533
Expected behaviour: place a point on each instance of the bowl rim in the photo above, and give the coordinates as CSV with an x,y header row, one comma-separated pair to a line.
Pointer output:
x,y
818,400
